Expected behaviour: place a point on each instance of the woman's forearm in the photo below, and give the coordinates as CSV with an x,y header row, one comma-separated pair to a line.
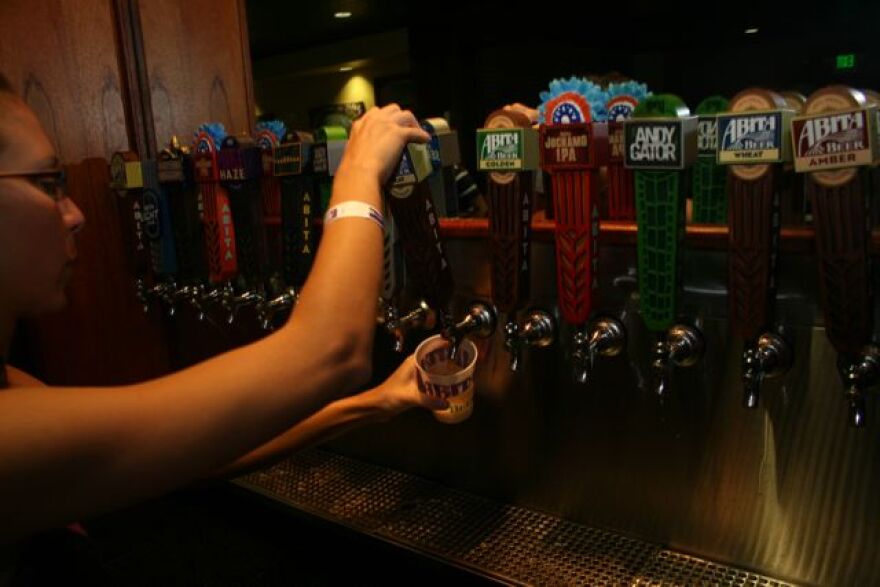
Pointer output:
x,y
331,421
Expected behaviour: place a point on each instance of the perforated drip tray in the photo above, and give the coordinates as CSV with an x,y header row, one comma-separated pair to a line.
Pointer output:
x,y
507,543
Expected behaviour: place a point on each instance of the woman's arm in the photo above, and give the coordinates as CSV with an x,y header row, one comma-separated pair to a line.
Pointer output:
x,y
395,395
69,453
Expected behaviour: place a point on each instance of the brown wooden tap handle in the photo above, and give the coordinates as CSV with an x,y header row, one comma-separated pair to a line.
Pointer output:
x,y
509,240
754,235
424,252
842,225
510,195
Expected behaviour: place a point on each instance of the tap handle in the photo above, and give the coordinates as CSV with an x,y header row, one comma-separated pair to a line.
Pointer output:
x,y
509,195
754,228
844,263
219,229
424,251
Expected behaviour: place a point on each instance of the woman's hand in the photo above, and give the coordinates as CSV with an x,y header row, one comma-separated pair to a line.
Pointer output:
x,y
377,141
400,392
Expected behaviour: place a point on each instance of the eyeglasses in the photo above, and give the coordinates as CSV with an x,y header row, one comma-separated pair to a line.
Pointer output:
x,y
53,183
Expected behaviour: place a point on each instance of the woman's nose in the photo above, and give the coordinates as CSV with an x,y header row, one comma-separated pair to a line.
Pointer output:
x,y
72,215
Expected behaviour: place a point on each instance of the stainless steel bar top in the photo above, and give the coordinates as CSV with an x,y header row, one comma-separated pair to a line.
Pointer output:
x,y
507,543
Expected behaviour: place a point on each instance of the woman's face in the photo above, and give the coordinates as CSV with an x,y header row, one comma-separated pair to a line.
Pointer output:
x,y
37,248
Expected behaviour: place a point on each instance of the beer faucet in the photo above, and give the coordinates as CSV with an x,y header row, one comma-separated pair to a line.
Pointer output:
x,y
143,294
217,295
538,330
606,338
836,119
753,139
268,309
858,375
680,346
165,291
480,321
661,142
769,357
422,317
245,299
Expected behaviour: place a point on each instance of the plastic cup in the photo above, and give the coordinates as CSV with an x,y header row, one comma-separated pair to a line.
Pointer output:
x,y
438,376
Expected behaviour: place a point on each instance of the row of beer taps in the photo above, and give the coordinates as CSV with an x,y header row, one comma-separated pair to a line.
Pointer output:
x,y
571,149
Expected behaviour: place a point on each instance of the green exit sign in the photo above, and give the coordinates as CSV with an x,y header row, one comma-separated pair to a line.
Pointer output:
x,y
846,61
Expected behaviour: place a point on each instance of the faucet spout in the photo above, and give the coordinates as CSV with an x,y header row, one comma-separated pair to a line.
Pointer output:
x,y
858,375
769,357
480,321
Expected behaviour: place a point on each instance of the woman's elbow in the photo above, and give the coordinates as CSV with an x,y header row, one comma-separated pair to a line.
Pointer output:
x,y
352,364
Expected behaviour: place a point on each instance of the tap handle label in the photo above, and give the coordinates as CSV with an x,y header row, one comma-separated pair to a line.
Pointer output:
x,y
415,166
507,149
574,146
125,171
219,230
659,143
332,141
753,137
835,140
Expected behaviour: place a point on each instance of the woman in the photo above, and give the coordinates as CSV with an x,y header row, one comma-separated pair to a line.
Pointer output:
x,y
70,453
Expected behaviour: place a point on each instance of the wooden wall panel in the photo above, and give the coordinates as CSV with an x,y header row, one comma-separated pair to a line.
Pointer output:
x,y
198,62
61,56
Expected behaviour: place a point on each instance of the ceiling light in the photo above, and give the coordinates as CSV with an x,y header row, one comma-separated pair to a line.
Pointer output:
x,y
346,68
342,15
751,31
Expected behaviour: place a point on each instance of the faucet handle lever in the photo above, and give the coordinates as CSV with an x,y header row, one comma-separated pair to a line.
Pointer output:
x,y
660,367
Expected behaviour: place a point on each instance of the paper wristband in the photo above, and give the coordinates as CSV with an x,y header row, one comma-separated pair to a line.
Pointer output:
x,y
354,209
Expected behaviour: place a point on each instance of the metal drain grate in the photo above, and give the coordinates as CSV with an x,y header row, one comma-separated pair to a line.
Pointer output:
x,y
506,542
674,568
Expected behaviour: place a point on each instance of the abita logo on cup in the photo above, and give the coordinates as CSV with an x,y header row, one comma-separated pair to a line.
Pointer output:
x,y
453,380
